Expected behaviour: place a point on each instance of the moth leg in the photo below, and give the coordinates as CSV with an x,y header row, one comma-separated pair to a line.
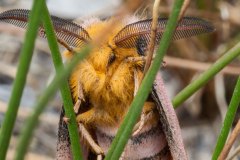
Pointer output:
x,y
99,157
137,128
94,146
86,117
146,114
136,82
122,155
80,97
164,64
66,119
90,116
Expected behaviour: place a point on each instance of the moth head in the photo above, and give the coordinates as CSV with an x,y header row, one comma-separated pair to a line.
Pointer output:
x,y
133,39
107,52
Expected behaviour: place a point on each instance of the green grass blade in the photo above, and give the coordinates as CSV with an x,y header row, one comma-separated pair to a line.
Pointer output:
x,y
19,83
227,124
125,130
207,75
64,89
32,121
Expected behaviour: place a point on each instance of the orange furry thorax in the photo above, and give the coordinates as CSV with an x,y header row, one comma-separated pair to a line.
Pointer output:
x,y
109,87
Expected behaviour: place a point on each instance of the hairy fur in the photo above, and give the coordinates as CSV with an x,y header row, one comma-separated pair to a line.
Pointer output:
x,y
109,87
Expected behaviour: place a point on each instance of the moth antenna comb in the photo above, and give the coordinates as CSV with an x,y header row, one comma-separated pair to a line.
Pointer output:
x,y
135,34
66,31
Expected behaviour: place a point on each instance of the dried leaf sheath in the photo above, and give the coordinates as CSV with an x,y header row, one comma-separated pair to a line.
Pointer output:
x,y
187,27
65,30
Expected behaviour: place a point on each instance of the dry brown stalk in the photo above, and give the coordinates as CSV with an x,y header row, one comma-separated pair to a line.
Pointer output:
x,y
153,37
184,8
235,133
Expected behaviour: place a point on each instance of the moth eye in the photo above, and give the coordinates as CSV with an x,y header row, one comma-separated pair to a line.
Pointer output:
x,y
111,59
141,46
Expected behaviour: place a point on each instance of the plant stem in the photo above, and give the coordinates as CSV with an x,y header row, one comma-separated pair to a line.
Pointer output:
x,y
206,76
125,130
64,89
152,45
227,124
19,83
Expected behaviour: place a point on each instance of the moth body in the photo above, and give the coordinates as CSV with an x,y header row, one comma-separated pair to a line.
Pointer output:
x,y
103,85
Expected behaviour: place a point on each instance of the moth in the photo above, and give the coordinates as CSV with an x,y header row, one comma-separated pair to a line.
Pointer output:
x,y
104,84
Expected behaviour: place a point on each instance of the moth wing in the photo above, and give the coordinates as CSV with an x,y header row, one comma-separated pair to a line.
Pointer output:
x,y
168,119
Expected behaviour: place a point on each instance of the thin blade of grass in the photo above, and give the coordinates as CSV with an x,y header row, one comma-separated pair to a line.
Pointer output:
x,y
207,75
19,83
227,124
64,89
125,130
